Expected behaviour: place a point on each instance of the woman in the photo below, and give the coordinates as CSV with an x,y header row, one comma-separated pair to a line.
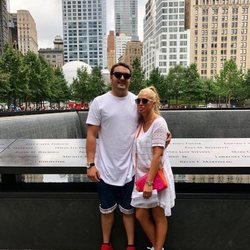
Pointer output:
x,y
150,155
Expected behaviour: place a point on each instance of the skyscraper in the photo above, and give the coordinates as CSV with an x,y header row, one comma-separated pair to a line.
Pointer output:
x,y
126,17
4,33
166,43
84,31
26,32
219,31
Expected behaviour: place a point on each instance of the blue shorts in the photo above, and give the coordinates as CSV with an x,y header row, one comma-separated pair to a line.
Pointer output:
x,y
111,196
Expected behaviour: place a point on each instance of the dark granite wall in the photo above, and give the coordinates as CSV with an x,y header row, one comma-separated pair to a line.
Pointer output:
x,y
41,126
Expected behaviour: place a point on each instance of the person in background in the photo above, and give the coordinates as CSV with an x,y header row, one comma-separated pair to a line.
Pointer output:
x,y
150,154
113,117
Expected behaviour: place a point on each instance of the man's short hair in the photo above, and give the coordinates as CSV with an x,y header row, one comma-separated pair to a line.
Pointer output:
x,y
120,64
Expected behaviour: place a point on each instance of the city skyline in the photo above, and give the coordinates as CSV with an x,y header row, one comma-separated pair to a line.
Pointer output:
x,y
49,24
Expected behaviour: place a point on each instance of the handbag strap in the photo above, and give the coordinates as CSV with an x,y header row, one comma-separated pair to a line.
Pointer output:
x,y
136,151
138,130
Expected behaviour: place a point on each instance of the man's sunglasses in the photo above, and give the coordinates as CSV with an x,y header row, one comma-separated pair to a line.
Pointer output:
x,y
142,100
119,75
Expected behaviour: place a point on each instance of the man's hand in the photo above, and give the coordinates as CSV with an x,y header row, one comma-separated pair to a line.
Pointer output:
x,y
93,174
169,137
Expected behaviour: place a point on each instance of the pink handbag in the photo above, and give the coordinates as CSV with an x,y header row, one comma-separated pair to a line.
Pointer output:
x,y
159,183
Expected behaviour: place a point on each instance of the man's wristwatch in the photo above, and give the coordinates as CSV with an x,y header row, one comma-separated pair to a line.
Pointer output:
x,y
90,164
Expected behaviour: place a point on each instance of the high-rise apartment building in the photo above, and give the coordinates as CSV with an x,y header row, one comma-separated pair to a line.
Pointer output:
x,y
219,30
26,32
126,17
4,32
166,43
84,31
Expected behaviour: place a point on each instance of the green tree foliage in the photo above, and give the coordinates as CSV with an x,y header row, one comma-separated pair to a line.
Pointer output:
x,y
157,80
96,85
192,87
59,89
209,90
29,78
246,86
174,83
137,81
47,78
86,87
229,82
39,76
11,63
79,87
4,85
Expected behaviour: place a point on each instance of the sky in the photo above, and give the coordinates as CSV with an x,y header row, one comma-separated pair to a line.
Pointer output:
x,y
48,17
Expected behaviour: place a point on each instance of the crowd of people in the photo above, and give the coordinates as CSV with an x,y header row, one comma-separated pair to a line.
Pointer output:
x,y
23,108
123,154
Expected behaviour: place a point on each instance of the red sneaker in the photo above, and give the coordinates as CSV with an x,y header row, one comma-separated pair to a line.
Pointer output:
x,y
106,246
130,248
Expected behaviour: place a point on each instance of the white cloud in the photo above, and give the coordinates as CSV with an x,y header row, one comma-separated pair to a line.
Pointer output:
x,y
48,17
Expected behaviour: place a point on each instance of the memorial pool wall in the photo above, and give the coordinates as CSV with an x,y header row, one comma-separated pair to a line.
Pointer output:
x,y
228,123
66,217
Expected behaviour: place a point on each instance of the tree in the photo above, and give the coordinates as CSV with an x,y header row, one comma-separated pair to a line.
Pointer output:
x,y
209,90
59,89
11,63
47,78
174,82
96,85
137,80
246,87
37,77
230,81
192,87
4,85
157,80
79,87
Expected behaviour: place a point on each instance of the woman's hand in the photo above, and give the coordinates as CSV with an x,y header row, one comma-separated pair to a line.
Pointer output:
x,y
147,191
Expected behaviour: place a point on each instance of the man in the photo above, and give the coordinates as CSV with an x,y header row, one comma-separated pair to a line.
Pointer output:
x,y
113,117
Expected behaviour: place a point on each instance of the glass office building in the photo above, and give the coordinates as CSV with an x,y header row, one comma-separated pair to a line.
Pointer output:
x,y
84,31
126,17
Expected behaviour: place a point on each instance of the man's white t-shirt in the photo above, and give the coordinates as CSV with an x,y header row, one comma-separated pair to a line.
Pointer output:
x,y
118,119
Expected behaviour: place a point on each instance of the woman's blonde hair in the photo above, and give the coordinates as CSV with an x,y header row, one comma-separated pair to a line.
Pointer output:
x,y
153,95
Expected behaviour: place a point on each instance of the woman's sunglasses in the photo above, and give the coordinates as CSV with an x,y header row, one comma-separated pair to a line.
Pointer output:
x,y
119,75
142,100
